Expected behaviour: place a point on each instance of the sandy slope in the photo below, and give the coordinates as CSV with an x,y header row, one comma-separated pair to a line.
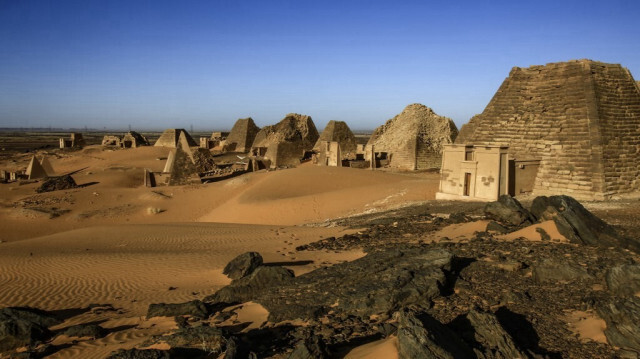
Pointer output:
x,y
115,195
100,245
131,266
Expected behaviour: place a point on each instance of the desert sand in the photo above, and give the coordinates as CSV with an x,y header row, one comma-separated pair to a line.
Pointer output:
x,y
115,243
104,252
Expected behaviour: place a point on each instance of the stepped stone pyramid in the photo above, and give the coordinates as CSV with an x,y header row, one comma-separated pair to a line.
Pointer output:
x,y
171,136
580,118
242,134
340,132
414,138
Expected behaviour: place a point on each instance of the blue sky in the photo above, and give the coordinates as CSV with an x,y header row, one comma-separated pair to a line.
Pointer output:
x,y
159,64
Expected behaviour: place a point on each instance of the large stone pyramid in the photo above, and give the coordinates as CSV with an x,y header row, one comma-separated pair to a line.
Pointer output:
x,y
414,138
171,136
581,119
242,134
340,132
287,140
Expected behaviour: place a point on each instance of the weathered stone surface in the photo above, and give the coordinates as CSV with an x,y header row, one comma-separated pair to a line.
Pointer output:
x,y
24,327
208,339
578,224
509,211
242,135
553,271
488,332
86,330
140,354
624,280
414,138
310,348
623,322
379,283
581,119
288,139
247,288
194,308
242,265
422,336
57,183
340,132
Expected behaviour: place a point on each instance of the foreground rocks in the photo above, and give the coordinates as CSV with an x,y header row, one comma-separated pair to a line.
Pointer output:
x,y
57,183
578,224
242,265
478,298
24,327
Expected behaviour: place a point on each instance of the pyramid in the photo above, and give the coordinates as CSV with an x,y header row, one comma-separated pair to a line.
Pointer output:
x,y
242,134
580,119
287,140
181,168
170,160
44,162
35,169
170,138
340,132
414,138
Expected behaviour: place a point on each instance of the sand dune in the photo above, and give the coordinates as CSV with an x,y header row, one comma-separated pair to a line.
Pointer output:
x,y
136,264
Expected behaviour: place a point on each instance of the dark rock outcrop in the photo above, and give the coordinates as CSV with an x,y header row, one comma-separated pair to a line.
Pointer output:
x,y
578,224
86,330
379,283
209,339
24,327
247,288
422,336
57,183
552,271
194,308
624,280
495,341
622,316
310,348
242,265
507,210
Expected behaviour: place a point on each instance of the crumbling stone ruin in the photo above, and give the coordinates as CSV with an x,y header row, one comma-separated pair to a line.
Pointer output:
x,y
242,135
579,119
134,139
286,142
75,141
328,153
170,138
414,139
338,131
111,141
131,139
217,138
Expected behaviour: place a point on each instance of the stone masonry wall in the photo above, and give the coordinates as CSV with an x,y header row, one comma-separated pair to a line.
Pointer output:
x,y
579,118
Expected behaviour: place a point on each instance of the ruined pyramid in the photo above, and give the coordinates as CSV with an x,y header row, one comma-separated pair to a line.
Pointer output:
x,y
580,119
340,132
414,138
287,141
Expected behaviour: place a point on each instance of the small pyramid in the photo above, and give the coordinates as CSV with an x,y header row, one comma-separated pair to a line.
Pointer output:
x,y
183,169
35,170
44,162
